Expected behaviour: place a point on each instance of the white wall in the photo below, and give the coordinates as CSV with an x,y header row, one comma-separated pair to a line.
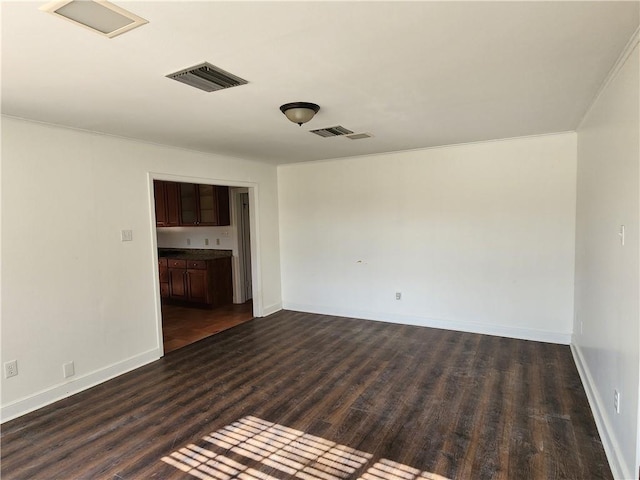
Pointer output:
x,y
607,273
71,290
477,237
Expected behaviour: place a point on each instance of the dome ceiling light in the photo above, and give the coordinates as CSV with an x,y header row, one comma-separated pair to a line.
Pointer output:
x,y
299,112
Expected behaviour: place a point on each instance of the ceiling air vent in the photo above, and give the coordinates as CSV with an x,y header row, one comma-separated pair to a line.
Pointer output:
x,y
359,136
331,131
207,77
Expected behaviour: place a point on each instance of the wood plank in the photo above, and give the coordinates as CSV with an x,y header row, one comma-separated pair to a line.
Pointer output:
x,y
455,404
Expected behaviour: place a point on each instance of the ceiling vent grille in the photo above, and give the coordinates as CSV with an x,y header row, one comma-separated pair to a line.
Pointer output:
x,y
359,136
336,131
207,77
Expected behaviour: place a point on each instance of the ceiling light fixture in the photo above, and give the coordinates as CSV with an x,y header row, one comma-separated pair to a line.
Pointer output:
x,y
299,112
100,16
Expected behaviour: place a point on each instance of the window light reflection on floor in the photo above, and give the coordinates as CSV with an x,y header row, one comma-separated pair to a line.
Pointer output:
x,y
290,453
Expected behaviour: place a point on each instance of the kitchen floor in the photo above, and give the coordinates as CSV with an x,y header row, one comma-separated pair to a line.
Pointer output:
x,y
183,326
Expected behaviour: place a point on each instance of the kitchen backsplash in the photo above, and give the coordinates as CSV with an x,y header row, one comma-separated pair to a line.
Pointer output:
x,y
218,238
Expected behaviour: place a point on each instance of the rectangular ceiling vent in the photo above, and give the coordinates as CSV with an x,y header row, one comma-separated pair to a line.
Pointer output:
x,y
207,77
359,136
336,131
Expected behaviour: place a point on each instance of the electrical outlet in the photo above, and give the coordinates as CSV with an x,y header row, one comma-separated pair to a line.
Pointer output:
x,y
616,401
188,241
68,370
206,241
11,369
398,295
217,241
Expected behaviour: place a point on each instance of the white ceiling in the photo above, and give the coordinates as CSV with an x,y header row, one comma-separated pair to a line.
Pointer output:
x,y
413,74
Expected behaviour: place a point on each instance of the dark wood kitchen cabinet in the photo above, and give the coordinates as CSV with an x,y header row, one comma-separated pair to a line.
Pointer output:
x,y
204,205
167,201
197,282
206,282
164,277
190,204
177,279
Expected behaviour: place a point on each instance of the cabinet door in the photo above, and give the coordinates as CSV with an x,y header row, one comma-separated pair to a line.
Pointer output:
x,y
164,277
172,199
222,206
197,285
163,270
222,288
208,205
178,283
188,204
161,203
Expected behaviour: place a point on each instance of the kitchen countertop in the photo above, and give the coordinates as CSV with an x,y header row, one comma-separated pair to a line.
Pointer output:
x,y
193,253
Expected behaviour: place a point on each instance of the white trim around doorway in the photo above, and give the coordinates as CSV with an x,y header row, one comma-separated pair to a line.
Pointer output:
x,y
256,276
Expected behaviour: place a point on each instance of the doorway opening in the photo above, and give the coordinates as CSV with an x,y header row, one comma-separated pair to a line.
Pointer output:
x,y
203,235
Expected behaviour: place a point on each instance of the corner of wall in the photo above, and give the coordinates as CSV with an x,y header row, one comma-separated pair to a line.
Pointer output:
x,y
618,466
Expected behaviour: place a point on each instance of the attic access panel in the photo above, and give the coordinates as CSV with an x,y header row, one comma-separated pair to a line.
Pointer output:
x,y
101,17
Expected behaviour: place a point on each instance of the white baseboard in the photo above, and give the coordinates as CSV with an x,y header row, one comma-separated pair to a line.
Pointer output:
x,y
276,307
486,329
28,404
618,466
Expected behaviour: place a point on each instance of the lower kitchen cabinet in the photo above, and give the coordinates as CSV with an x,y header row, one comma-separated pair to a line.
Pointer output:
x,y
178,279
206,282
197,281
164,277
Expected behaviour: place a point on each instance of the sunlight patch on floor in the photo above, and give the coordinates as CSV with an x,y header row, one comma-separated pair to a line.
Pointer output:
x,y
288,453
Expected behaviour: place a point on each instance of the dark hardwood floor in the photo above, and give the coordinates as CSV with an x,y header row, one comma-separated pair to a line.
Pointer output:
x,y
184,325
308,396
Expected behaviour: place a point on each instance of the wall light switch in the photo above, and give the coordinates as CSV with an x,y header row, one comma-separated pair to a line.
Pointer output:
x,y
621,234
126,235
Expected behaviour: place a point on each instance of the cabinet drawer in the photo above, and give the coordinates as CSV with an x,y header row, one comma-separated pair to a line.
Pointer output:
x,y
197,264
173,263
162,262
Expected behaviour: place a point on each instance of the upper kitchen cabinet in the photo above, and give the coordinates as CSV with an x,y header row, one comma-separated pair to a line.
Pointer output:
x,y
214,205
204,205
189,204
167,203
